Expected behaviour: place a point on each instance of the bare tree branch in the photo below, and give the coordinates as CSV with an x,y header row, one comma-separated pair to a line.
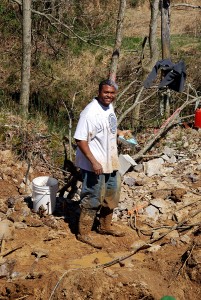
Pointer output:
x,y
56,22
186,5
135,104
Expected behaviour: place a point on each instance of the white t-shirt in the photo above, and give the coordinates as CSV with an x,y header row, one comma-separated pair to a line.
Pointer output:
x,y
98,126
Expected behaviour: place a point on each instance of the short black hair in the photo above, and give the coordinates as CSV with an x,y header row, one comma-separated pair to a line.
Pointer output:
x,y
107,82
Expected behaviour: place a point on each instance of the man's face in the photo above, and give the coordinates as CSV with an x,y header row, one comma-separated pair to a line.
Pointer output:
x,y
107,95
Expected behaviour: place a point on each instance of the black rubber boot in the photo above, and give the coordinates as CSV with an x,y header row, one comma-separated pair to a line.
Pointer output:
x,y
105,226
86,221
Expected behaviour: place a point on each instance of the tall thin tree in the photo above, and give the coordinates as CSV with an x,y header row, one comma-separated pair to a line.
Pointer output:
x,y
26,56
165,45
118,40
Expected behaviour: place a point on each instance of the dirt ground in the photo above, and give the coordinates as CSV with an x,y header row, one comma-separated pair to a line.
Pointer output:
x,y
46,261
183,19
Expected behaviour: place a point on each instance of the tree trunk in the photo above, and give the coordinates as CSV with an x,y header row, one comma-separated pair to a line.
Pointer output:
x,y
116,51
154,53
165,28
165,40
26,56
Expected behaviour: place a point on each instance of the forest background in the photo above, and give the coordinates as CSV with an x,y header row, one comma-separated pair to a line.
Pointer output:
x,y
71,48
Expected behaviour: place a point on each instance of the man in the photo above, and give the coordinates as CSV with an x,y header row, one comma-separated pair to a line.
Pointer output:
x,y
97,157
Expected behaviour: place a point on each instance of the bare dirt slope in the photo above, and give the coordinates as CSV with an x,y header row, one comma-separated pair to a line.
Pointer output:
x,y
42,259
51,264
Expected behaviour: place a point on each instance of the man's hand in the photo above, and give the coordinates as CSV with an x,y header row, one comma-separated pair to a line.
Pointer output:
x,y
97,168
124,132
84,147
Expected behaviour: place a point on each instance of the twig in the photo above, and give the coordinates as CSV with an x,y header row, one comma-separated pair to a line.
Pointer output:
x,y
182,267
57,284
188,205
51,166
2,246
5,253
153,155
186,5
120,259
23,297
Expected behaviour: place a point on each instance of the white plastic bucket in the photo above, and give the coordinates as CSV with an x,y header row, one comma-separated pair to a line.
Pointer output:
x,y
44,190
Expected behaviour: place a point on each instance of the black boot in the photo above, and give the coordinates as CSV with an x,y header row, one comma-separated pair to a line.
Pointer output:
x,y
86,221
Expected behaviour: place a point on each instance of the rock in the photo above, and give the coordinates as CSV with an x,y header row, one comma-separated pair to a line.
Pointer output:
x,y
182,214
40,253
50,221
164,206
177,194
168,151
163,193
140,244
129,181
32,222
16,216
172,159
154,248
11,202
172,237
152,212
20,225
3,207
34,275
6,230
6,155
126,162
19,204
185,239
165,157
2,216
173,182
110,273
6,268
153,167
138,168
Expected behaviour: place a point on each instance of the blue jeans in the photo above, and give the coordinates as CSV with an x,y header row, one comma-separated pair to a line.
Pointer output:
x,y
100,190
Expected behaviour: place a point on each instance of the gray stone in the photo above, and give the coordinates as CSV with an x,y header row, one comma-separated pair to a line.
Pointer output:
x,y
20,225
138,168
154,248
129,181
152,212
6,230
164,206
126,162
153,167
168,151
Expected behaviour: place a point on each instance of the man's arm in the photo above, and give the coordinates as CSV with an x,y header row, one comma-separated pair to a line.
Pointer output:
x,y
84,147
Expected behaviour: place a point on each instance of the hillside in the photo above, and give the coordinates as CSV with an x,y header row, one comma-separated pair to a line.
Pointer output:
x,y
159,211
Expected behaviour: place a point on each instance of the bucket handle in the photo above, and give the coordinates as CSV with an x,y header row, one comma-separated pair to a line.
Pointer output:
x,y
42,198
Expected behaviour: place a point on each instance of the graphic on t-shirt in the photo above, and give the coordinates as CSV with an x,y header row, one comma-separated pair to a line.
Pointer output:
x,y
112,123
